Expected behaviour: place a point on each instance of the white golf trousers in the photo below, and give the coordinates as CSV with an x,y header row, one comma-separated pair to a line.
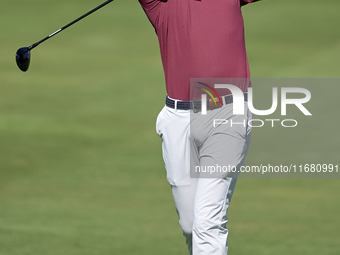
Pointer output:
x,y
202,203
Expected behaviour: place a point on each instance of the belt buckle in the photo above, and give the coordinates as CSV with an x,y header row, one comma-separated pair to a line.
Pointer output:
x,y
196,105
213,104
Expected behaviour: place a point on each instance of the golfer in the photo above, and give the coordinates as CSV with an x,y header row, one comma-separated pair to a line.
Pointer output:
x,y
200,39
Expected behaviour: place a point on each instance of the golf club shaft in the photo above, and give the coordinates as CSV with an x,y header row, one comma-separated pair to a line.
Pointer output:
x,y
68,25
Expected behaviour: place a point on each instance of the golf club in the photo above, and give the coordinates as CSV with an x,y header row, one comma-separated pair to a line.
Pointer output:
x,y
23,54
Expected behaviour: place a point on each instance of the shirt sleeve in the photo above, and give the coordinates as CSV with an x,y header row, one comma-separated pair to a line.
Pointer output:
x,y
151,8
244,2
149,4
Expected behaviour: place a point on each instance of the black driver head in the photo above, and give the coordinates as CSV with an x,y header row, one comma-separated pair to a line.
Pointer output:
x,y
23,57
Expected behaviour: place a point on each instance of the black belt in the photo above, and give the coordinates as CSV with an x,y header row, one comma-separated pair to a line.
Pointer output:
x,y
196,105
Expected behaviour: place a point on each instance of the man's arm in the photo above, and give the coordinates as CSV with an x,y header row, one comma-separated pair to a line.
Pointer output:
x,y
244,2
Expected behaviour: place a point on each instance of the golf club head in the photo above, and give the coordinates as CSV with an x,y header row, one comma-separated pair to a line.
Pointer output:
x,y
23,57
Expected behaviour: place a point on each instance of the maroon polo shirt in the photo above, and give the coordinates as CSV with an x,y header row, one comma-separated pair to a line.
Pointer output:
x,y
198,39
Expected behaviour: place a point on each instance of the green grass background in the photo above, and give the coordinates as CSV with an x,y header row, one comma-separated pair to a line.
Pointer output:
x,y
81,170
